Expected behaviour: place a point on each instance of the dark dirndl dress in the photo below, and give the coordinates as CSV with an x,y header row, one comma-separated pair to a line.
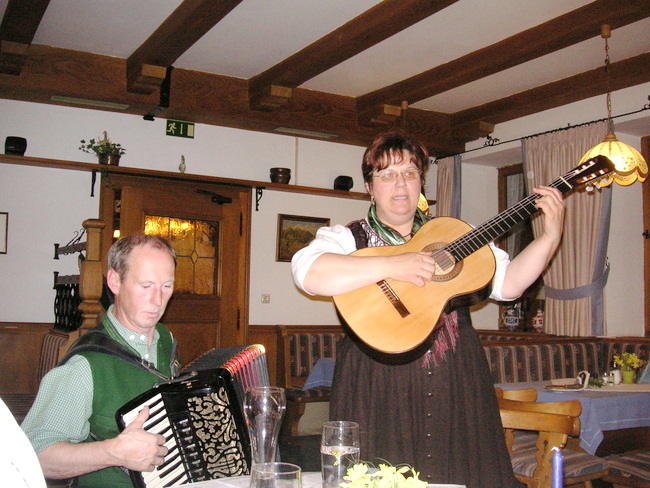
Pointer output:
x,y
438,415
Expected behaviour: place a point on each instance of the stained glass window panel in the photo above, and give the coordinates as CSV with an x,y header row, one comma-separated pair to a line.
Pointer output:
x,y
196,243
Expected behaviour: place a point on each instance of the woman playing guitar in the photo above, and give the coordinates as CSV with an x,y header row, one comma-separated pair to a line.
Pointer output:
x,y
434,408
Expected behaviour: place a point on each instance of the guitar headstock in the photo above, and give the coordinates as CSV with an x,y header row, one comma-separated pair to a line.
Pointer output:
x,y
594,172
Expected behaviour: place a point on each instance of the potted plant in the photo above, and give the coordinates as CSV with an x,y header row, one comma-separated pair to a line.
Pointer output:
x,y
629,363
107,152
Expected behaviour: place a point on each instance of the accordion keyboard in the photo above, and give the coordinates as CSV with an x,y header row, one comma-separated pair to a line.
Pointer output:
x,y
202,426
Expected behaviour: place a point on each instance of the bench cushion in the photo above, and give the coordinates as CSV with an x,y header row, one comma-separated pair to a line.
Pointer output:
x,y
634,465
576,464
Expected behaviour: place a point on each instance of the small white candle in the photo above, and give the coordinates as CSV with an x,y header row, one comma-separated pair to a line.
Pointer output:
x,y
557,476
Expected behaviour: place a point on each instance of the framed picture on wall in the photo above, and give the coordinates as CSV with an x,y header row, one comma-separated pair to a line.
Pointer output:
x,y
294,233
4,229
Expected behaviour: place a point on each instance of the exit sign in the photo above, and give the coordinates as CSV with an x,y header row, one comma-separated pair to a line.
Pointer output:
x,y
180,129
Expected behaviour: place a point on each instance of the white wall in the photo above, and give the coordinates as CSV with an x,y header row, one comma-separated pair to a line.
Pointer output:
x,y
288,304
56,202
624,291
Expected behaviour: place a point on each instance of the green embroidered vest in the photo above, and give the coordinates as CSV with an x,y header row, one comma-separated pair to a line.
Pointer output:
x,y
115,383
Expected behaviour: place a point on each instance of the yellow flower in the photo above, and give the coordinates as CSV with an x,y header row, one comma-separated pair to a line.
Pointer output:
x,y
356,472
628,361
384,476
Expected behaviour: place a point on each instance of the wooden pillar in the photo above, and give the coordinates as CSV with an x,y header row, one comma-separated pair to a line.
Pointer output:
x,y
90,282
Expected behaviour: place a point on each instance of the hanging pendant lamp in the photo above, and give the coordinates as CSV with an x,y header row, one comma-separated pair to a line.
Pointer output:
x,y
630,165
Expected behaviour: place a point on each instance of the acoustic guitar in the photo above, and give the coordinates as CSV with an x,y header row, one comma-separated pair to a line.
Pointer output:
x,y
395,316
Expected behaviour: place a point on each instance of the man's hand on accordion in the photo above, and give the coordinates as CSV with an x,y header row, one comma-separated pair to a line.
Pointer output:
x,y
134,449
137,449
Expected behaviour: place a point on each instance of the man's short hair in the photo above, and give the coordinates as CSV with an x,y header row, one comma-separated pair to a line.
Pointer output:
x,y
120,251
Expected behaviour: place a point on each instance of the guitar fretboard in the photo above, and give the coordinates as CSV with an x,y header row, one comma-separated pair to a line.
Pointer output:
x,y
499,225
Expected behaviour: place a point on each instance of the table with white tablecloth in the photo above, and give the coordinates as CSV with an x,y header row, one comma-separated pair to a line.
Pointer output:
x,y
309,480
607,408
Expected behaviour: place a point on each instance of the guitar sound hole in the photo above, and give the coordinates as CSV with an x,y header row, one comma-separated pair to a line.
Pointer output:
x,y
446,266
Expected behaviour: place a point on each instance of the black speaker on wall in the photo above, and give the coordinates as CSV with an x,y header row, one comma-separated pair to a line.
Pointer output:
x,y
15,145
343,183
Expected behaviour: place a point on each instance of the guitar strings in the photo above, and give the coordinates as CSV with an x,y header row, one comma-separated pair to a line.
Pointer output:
x,y
475,239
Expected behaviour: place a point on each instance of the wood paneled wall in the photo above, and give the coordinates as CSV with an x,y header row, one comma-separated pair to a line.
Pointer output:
x,y
20,349
267,335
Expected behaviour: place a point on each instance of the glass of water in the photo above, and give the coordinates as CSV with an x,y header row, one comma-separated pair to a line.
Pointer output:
x,y
339,451
275,475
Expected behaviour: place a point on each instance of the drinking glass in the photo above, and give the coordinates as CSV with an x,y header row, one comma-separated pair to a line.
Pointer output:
x,y
275,475
339,451
264,408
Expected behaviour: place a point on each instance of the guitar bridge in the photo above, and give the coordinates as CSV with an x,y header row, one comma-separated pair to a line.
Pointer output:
x,y
393,299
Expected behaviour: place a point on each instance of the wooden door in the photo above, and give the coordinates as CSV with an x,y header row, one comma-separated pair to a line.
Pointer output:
x,y
207,225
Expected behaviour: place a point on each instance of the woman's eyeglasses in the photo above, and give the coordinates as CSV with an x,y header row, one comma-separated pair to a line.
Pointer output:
x,y
391,175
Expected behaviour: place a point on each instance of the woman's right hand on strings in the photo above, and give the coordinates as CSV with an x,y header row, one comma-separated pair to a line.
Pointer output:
x,y
335,274
413,267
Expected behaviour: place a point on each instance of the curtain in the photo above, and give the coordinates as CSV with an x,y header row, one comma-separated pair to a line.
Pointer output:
x,y
575,280
449,187
518,237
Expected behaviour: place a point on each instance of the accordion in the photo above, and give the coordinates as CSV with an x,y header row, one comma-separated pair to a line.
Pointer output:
x,y
200,415
246,364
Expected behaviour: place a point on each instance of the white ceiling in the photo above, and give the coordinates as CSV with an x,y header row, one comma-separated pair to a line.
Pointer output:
x,y
258,34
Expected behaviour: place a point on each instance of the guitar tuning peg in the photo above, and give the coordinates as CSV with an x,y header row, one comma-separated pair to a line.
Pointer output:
x,y
598,185
606,181
589,187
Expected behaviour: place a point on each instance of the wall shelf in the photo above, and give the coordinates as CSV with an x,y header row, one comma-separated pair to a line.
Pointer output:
x,y
125,170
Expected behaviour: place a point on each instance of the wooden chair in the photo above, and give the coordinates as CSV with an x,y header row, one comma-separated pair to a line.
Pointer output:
x,y
554,423
520,438
53,343
524,395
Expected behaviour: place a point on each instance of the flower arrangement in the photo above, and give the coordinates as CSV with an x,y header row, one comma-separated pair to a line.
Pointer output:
x,y
628,361
385,476
102,147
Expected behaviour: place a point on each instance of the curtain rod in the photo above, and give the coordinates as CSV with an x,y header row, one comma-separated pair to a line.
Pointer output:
x,y
490,142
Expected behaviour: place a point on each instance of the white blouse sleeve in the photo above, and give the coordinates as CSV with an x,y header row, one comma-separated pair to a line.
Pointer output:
x,y
502,261
337,239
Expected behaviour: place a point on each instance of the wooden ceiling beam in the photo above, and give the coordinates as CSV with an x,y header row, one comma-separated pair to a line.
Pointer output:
x,y
626,73
364,31
568,29
203,98
147,66
17,30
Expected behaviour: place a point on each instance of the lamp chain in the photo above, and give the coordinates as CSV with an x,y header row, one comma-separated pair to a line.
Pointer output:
x,y
605,34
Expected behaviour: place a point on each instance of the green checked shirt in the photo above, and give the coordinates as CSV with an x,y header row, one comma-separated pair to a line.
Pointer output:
x,y
65,396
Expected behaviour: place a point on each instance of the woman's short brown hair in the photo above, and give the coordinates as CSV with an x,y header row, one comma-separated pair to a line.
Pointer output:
x,y
389,146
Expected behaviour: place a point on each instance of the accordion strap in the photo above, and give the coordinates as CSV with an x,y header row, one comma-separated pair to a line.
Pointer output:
x,y
96,341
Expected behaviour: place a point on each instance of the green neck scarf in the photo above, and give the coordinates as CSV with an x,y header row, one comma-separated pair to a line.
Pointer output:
x,y
388,234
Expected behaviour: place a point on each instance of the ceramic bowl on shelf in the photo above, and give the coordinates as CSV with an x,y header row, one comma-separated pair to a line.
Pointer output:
x,y
280,175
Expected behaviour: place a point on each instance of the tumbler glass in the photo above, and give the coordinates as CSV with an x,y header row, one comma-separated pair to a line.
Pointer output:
x,y
264,408
339,451
275,475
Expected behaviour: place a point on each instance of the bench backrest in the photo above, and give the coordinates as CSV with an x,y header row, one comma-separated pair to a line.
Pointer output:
x,y
553,357
528,361
302,346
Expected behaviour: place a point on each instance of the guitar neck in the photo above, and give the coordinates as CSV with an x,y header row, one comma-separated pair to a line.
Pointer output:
x,y
502,223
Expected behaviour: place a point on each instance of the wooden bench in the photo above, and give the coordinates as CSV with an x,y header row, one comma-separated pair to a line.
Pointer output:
x,y
551,357
300,347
